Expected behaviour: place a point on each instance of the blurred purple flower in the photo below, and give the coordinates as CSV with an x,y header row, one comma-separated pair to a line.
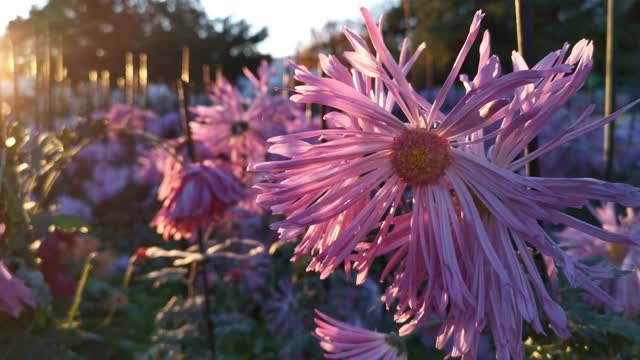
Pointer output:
x,y
106,181
14,295
68,205
625,288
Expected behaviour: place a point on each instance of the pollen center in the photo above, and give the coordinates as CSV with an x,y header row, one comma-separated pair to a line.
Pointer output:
x,y
421,156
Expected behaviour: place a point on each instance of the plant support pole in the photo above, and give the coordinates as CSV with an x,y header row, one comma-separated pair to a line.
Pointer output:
x,y
183,94
609,92
524,29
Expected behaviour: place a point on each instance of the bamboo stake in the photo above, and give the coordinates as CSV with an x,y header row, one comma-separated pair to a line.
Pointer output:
x,y
206,77
524,28
406,10
13,69
105,84
92,94
48,81
184,76
143,77
609,91
128,73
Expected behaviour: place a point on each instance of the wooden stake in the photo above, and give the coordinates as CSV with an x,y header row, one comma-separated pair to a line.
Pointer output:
x,y
185,65
609,91
13,69
105,84
206,77
128,74
524,28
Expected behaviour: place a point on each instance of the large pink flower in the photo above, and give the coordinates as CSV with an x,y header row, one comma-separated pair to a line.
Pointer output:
x,y
194,196
458,222
13,294
340,340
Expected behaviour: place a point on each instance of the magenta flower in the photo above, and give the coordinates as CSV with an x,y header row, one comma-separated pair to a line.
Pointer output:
x,y
52,251
343,341
194,196
239,127
14,295
458,222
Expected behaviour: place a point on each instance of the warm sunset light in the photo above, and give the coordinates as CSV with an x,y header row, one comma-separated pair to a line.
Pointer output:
x,y
344,179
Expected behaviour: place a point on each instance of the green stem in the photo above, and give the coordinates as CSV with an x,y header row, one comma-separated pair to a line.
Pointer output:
x,y
80,290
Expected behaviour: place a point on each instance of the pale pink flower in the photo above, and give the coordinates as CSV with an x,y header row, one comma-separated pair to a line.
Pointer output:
x,y
458,222
626,288
195,196
14,295
340,340
239,127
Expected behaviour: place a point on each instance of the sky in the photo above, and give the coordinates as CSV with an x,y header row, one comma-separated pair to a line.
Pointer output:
x,y
287,30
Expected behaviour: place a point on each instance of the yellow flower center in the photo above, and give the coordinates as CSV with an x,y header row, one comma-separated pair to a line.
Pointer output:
x,y
421,156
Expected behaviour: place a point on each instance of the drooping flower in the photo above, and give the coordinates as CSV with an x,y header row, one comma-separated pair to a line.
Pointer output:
x,y
458,222
340,340
194,196
52,251
14,295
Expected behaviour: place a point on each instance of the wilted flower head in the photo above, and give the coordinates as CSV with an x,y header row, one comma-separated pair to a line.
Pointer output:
x,y
14,295
456,220
53,251
195,196
340,340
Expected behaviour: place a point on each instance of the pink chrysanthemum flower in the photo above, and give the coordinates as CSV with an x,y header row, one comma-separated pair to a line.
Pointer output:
x,y
340,340
14,295
626,288
194,196
239,127
458,222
